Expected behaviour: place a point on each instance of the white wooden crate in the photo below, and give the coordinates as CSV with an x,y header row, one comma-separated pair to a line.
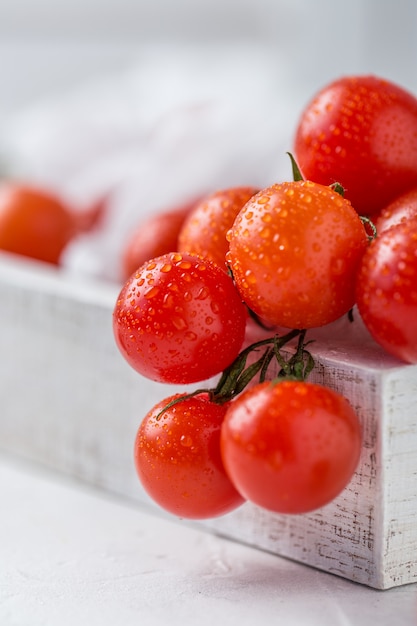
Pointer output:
x,y
69,401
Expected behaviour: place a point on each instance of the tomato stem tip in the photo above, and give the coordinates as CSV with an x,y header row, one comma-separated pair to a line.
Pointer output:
x,y
296,172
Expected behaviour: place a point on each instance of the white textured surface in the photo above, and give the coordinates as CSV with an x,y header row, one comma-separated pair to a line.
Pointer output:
x,y
71,556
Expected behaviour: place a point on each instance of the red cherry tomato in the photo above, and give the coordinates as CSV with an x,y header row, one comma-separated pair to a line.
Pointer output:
x,y
294,253
204,231
290,447
179,319
34,223
155,236
387,290
401,209
360,131
178,460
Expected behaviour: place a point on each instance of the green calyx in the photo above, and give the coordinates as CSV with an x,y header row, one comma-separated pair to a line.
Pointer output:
x,y
239,374
297,176
369,226
296,172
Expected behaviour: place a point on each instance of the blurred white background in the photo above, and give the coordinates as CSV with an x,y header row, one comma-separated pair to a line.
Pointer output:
x,y
48,45
158,100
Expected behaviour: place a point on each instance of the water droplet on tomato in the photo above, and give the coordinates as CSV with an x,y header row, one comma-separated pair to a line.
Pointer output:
x,y
284,272
250,277
202,294
151,293
263,200
179,323
168,301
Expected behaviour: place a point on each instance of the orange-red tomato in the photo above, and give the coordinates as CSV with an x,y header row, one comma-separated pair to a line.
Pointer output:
x,y
34,222
155,236
387,290
178,461
179,319
290,447
204,231
294,252
360,131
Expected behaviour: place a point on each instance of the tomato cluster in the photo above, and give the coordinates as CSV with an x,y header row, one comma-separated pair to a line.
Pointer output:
x,y
292,256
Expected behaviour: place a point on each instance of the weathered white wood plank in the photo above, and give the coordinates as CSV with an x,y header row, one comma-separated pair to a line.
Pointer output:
x,y
70,402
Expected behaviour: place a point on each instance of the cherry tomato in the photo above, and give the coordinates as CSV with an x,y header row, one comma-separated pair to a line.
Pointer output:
x,y
387,290
290,447
204,231
294,252
34,222
360,131
179,319
155,236
178,460
401,209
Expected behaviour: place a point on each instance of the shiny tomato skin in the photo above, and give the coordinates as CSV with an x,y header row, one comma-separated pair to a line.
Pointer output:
x,y
360,131
290,447
178,460
294,250
154,236
179,319
399,210
205,229
34,222
387,290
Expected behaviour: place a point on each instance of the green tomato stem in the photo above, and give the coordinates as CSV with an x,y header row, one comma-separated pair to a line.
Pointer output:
x,y
296,172
238,375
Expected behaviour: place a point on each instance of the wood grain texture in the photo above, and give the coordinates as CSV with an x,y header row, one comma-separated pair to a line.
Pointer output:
x,y
70,402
